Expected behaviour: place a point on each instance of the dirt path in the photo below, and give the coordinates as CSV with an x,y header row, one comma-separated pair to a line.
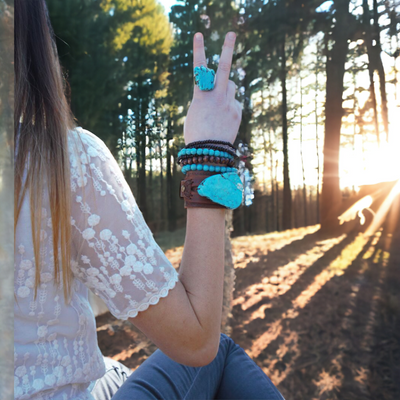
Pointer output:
x,y
320,315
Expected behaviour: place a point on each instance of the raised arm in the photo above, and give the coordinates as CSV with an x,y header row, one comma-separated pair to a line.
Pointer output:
x,y
185,325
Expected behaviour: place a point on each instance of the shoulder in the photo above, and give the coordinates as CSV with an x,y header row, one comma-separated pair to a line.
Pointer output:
x,y
86,138
82,143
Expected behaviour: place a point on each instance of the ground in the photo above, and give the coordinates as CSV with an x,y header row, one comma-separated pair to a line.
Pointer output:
x,y
319,314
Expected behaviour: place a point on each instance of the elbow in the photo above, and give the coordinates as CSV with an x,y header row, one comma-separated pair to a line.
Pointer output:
x,y
205,354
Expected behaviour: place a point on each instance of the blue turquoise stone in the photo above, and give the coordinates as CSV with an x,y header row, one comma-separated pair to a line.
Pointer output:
x,y
217,169
217,153
212,168
211,152
193,151
205,152
193,167
199,152
223,169
204,78
205,167
225,189
199,167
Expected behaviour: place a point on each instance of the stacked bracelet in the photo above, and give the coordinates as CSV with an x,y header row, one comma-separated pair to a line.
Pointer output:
x,y
208,185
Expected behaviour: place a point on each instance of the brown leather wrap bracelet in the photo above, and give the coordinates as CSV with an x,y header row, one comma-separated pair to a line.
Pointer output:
x,y
188,190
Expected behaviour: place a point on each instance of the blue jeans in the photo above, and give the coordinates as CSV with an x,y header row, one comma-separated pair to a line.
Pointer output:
x,y
231,375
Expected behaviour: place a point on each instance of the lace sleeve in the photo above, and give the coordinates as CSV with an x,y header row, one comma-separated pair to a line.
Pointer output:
x,y
117,256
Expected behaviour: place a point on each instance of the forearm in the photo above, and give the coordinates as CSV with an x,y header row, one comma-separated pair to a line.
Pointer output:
x,y
202,267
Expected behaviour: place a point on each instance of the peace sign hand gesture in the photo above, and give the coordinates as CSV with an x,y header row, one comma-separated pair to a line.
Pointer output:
x,y
214,114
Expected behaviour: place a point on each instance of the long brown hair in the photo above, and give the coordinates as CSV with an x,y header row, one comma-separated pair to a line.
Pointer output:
x,y
42,119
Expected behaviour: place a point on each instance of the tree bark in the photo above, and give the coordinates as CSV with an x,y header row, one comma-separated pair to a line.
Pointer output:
x,y
331,198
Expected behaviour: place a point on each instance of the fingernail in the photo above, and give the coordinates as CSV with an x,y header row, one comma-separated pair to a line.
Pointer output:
x,y
198,36
231,35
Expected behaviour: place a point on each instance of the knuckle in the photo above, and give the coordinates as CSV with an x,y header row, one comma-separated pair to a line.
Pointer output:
x,y
199,63
224,66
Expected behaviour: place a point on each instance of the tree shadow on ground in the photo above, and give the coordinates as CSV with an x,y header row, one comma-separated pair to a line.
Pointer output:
x,y
334,333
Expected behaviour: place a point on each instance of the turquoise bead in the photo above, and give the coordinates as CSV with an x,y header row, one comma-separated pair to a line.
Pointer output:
x,y
199,167
211,152
223,169
205,167
193,151
205,152
193,167
217,169
217,153
212,168
199,152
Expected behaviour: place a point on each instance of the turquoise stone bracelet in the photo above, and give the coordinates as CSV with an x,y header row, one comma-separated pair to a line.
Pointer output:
x,y
206,167
199,152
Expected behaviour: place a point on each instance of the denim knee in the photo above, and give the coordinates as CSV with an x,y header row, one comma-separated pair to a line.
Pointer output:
x,y
224,337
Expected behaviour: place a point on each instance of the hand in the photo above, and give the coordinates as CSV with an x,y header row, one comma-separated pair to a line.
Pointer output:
x,y
215,114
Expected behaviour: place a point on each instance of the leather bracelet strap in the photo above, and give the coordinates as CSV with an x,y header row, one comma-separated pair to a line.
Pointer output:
x,y
188,190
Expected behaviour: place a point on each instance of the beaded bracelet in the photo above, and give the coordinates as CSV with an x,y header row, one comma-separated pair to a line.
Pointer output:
x,y
211,168
214,147
211,141
204,151
205,159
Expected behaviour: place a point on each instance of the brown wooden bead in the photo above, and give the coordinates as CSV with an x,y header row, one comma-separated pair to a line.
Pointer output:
x,y
194,159
183,162
217,159
189,161
206,158
199,160
212,159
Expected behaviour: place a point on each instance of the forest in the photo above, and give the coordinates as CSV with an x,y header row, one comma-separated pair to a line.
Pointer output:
x,y
318,82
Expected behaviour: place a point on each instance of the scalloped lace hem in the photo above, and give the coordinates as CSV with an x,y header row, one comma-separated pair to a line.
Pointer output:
x,y
152,301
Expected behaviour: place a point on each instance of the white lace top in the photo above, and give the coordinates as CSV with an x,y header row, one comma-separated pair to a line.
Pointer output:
x,y
114,254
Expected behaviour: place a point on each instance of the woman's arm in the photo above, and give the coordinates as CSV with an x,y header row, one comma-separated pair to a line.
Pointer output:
x,y
185,325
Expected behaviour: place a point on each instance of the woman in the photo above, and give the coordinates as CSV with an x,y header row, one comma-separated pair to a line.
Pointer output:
x,y
78,227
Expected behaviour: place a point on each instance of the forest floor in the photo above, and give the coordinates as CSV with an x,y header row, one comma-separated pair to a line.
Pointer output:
x,y
320,315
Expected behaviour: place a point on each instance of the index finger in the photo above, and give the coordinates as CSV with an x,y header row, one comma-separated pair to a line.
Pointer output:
x,y
225,63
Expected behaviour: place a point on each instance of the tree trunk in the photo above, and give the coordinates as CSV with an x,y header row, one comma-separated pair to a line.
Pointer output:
x,y
170,207
316,134
287,195
229,276
371,68
301,152
376,54
331,196
142,188
162,197
273,208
